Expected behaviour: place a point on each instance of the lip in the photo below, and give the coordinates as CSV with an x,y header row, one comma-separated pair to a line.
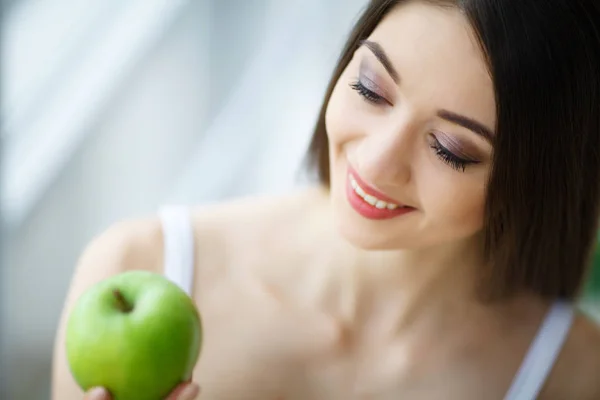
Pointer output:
x,y
370,189
367,210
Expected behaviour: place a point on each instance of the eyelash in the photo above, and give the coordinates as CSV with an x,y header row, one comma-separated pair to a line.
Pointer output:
x,y
441,152
450,158
367,94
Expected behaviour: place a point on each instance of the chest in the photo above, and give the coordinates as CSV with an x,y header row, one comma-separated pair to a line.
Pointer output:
x,y
256,347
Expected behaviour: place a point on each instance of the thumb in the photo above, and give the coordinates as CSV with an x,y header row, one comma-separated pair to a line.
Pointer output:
x,y
97,393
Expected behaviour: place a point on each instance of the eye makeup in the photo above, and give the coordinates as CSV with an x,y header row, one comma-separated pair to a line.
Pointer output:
x,y
368,87
454,152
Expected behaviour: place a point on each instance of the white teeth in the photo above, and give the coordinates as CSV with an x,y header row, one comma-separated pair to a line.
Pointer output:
x,y
372,200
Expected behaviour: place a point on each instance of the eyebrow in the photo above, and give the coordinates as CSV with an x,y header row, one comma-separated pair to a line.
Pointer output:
x,y
466,122
378,51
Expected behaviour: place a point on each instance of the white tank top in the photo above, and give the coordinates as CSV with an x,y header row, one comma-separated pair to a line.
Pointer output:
x,y
530,378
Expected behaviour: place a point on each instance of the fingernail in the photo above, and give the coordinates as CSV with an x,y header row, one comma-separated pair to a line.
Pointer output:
x,y
190,392
97,393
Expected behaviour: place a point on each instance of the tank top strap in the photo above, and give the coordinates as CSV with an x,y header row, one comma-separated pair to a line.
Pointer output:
x,y
178,242
542,353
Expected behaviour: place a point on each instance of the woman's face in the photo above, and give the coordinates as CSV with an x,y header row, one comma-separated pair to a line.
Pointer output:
x,y
410,125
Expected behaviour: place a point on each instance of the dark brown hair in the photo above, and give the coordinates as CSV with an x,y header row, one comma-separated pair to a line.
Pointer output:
x,y
543,191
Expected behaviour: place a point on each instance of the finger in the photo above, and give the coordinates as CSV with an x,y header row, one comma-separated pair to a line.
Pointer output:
x,y
185,391
97,393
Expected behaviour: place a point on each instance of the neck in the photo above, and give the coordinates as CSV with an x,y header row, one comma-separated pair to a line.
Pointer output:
x,y
410,285
447,266
405,288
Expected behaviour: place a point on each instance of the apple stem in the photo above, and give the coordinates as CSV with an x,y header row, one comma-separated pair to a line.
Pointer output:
x,y
122,304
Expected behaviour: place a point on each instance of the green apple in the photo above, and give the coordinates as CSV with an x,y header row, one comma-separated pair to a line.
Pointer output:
x,y
136,333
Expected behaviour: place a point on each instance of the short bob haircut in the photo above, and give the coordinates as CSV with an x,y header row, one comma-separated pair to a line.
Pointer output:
x,y
542,196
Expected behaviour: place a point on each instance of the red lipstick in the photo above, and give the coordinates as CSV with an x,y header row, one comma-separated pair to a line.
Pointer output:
x,y
385,208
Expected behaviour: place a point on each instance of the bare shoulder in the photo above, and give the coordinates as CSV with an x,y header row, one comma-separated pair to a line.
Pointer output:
x,y
126,244
137,243
256,212
577,371
253,234
258,220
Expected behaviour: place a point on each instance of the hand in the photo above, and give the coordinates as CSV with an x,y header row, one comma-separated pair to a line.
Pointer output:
x,y
185,391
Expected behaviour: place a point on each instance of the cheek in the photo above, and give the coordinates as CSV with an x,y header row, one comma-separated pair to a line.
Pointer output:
x,y
454,203
341,122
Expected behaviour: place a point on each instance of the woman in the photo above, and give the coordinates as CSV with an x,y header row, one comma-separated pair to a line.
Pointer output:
x,y
443,250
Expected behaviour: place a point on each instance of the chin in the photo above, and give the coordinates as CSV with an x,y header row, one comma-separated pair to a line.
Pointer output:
x,y
363,235
367,240
369,234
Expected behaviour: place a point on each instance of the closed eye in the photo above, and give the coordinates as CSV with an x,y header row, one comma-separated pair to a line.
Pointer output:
x,y
454,161
369,95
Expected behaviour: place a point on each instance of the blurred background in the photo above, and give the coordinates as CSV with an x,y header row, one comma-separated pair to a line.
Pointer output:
x,y
113,108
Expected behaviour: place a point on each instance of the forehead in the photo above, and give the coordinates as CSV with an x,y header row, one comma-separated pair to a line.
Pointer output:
x,y
438,58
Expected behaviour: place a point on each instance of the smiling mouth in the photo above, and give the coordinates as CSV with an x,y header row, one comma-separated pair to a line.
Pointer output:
x,y
369,202
369,198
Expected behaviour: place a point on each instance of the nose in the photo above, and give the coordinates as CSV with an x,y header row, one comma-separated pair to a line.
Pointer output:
x,y
386,155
